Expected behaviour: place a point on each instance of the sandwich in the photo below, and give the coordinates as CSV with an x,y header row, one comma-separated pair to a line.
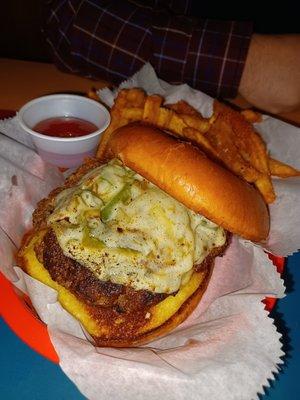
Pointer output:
x,y
129,241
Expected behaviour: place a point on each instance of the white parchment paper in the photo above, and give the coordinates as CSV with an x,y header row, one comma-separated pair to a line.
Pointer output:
x,y
228,348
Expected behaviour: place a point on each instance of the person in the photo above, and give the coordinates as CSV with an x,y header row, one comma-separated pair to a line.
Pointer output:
x,y
111,40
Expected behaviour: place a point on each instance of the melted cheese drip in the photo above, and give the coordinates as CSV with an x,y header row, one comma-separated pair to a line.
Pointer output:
x,y
128,231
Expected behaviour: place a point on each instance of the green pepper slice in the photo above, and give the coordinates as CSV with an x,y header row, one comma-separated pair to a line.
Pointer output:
x,y
123,195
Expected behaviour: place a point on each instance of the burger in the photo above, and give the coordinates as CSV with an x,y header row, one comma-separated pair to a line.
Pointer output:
x,y
129,241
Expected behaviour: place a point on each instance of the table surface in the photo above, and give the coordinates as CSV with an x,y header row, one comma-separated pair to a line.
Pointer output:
x,y
27,375
21,81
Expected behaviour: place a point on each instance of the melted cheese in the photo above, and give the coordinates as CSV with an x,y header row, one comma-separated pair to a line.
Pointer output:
x,y
128,231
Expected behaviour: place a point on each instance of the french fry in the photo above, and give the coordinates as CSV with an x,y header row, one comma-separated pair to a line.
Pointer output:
x,y
176,124
196,122
127,99
151,108
264,185
92,94
220,136
105,137
250,144
198,138
182,107
132,114
134,97
164,118
253,150
251,116
121,100
282,170
258,153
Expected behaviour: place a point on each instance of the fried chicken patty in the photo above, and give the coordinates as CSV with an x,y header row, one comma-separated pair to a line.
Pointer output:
x,y
85,285
121,310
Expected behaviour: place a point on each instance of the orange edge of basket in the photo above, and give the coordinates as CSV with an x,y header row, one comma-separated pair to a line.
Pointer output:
x,y
23,322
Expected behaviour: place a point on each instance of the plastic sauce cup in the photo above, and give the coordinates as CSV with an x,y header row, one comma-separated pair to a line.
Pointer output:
x,y
65,152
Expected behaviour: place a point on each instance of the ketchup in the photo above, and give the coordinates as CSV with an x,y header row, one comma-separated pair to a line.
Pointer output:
x,y
66,127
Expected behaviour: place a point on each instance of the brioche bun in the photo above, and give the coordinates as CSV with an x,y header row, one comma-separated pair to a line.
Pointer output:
x,y
185,173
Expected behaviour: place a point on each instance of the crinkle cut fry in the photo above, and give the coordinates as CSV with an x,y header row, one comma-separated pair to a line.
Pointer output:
x,y
192,128
249,145
151,109
229,154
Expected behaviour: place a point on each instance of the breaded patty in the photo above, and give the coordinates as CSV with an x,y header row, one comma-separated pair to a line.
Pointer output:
x,y
121,310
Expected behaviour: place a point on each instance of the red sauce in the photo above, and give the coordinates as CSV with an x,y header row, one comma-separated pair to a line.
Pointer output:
x,y
65,127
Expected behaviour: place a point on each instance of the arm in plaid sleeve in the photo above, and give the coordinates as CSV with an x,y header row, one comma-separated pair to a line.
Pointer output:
x,y
113,39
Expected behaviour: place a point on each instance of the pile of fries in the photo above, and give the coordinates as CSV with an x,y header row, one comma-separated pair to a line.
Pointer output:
x,y
228,136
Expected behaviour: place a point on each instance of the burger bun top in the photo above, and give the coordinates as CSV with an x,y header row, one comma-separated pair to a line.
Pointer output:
x,y
186,174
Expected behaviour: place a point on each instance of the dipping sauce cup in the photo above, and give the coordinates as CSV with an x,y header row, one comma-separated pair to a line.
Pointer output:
x,y
64,152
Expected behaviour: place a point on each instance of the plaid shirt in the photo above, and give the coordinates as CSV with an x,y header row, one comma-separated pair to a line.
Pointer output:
x,y
112,39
